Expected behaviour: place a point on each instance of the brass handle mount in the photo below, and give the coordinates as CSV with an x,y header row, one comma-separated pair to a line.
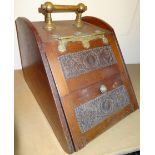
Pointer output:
x,y
47,8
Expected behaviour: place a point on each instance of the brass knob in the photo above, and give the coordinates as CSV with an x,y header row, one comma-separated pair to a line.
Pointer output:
x,y
46,9
103,88
81,8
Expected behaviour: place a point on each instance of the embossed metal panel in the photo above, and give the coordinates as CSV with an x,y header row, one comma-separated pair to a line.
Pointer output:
x,y
97,110
78,63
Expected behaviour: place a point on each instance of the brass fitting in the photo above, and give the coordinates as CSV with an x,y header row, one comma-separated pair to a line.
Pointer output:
x,y
47,8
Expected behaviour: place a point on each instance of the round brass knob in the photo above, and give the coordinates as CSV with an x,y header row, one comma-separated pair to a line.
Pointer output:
x,y
103,88
82,8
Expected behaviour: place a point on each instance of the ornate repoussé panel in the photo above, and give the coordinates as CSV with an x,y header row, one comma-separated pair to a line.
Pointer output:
x,y
78,63
97,110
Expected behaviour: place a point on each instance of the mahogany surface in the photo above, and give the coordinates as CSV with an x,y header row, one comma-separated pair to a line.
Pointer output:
x,y
39,78
57,96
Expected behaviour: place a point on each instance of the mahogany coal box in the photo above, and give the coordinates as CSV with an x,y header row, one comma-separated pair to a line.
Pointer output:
x,y
76,72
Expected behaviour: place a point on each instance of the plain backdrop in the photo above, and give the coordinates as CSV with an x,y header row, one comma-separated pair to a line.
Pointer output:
x,y
122,15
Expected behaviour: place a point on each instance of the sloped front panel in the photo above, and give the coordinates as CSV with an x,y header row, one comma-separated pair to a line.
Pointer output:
x,y
97,110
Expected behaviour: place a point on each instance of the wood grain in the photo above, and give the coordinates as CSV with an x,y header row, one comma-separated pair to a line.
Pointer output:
x,y
59,96
37,75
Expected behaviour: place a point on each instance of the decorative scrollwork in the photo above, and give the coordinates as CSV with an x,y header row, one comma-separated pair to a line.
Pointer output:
x,y
75,64
97,110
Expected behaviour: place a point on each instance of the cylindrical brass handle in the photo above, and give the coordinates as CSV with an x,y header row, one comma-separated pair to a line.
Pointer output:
x,y
47,8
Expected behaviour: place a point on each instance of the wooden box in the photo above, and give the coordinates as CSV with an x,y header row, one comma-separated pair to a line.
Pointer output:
x,y
76,72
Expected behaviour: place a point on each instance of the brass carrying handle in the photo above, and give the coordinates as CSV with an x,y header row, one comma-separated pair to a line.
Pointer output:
x,y
47,8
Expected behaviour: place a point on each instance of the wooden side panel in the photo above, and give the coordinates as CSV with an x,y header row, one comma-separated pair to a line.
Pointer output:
x,y
40,80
